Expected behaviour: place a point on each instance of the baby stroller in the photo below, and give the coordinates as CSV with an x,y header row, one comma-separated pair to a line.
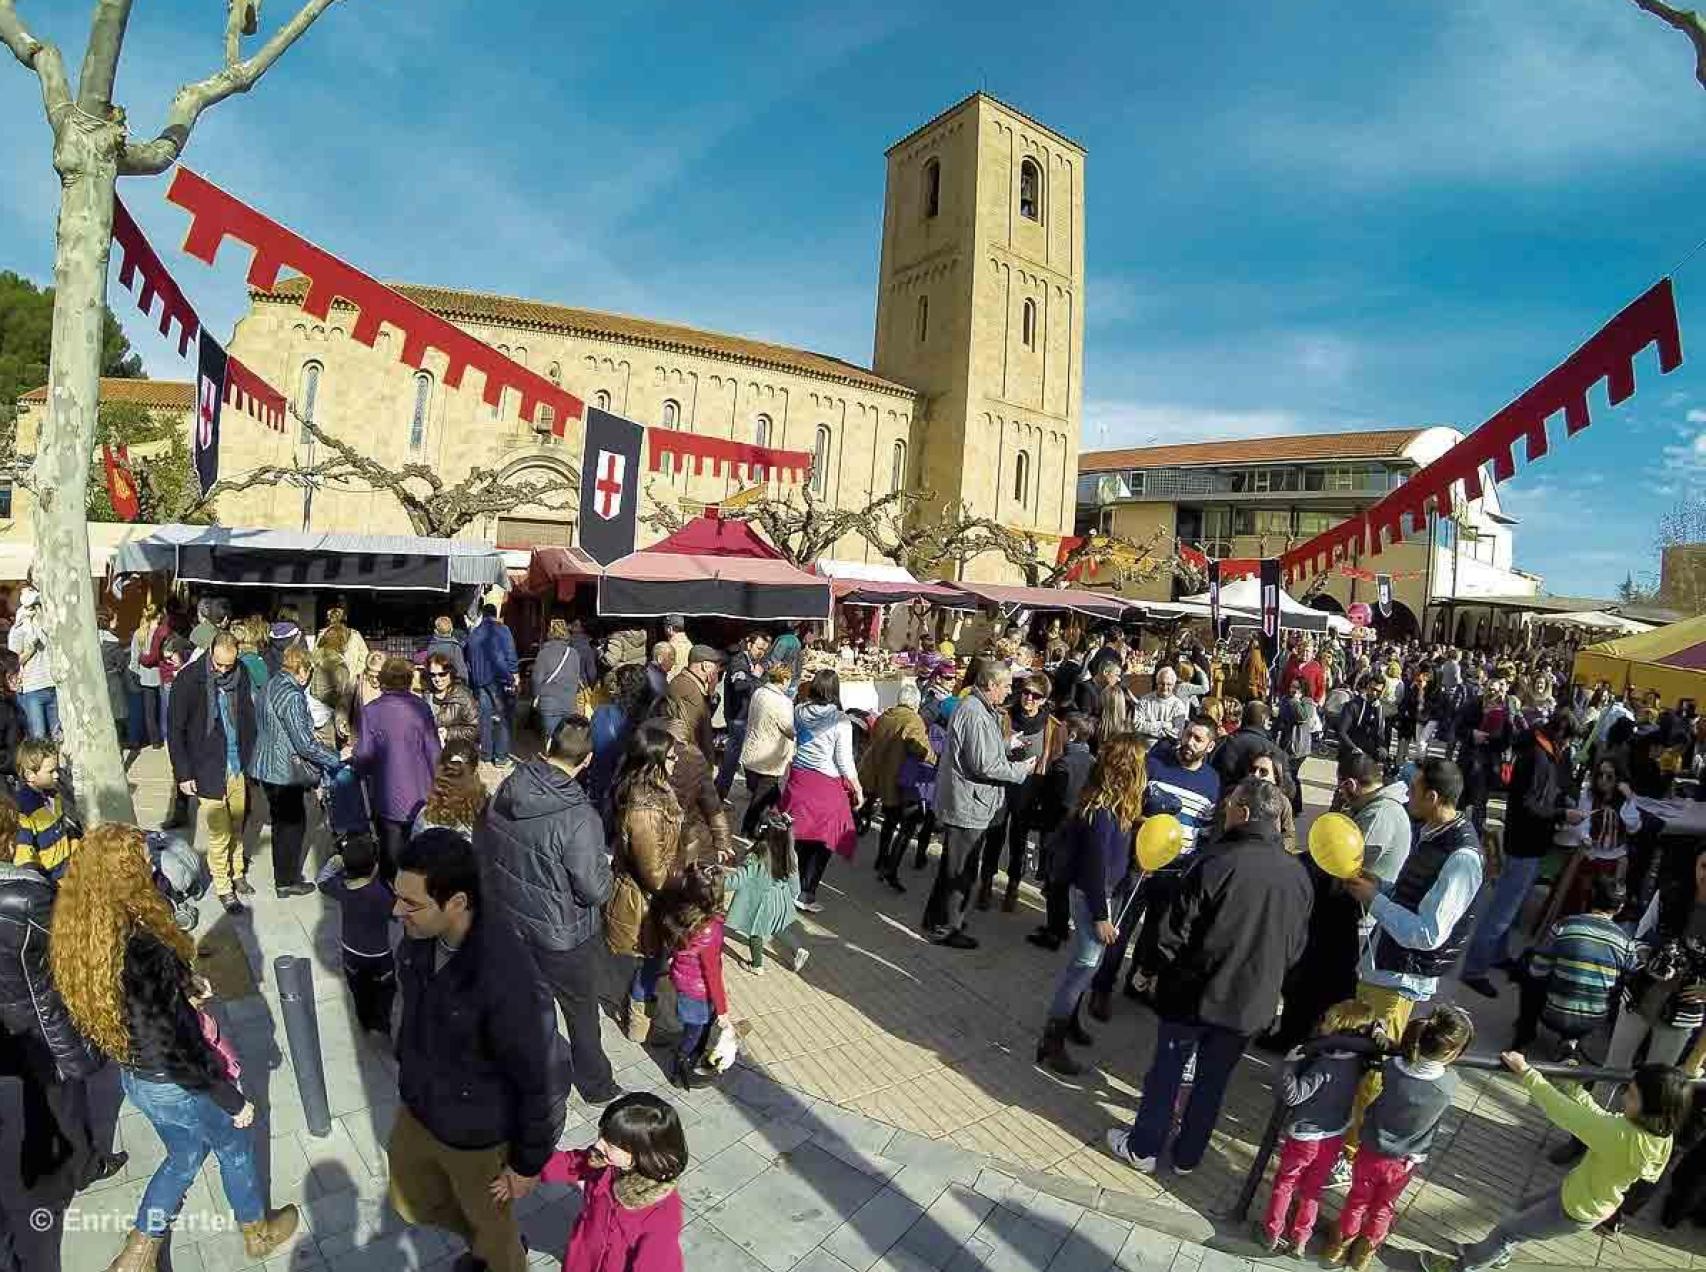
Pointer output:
x,y
181,875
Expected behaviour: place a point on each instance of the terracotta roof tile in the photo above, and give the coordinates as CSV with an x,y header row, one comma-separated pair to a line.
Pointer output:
x,y
537,315
165,394
1378,444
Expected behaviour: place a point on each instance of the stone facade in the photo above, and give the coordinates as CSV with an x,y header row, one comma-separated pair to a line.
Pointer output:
x,y
981,307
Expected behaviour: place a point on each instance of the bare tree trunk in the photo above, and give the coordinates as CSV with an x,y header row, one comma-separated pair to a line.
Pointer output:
x,y
86,156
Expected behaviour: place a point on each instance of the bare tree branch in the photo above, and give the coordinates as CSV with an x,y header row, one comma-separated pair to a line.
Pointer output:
x,y
100,57
36,55
1689,22
141,158
439,512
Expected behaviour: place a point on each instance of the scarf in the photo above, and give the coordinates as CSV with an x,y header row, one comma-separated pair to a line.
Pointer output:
x,y
635,1192
217,684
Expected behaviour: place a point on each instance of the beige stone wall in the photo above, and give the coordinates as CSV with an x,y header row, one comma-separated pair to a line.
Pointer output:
x,y
367,396
29,422
1002,425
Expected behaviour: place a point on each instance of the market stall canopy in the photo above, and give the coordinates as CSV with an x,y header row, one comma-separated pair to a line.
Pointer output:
x,y
1243,599
233,557
884,583
558,571
651,584
105,538
711,535
1670,661
1595,621
1010,596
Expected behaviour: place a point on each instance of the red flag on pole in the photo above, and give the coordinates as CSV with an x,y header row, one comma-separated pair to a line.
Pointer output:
x,y
121,483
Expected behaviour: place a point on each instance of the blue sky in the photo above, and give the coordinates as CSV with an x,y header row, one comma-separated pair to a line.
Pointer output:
x,y
1303,214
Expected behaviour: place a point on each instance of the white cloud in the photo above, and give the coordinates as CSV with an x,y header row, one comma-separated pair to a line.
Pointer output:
x,y
1697,416
1109,424
1501,93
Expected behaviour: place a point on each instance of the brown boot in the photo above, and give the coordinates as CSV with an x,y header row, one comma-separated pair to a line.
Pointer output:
x,y
141,1253
1334,1255
1052,1053
637,1022
264,1236
1362,1254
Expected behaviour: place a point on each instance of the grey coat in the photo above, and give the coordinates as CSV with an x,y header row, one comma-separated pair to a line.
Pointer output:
x,y
283,729
971,782
556,677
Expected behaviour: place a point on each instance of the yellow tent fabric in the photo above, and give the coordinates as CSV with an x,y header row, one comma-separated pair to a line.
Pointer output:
x,y
1669,661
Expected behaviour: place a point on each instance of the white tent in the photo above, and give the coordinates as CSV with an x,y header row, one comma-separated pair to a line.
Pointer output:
x,y
1244,599
1594,621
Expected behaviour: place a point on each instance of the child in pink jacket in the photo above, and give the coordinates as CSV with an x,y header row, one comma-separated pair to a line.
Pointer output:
x,y
690,925
630,1219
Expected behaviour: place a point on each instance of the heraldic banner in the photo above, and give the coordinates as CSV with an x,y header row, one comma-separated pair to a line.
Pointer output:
x,y
610,485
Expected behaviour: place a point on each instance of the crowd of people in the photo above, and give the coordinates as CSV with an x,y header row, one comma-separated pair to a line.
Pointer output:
x,y
1027,763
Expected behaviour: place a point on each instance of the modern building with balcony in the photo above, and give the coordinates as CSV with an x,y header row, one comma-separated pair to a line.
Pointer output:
x,y
1256,497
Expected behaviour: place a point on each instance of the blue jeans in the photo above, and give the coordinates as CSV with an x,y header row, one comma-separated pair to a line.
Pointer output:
x,y
494,702
733,739
1082,958
548,722
1217,1051
695,1015
41,712
191,1126
1503,904
165,711
644,987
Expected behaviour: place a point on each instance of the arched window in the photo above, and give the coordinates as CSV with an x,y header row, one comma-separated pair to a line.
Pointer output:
x,y
1028,325
417,420
671,413
923,319
761,430
820,461
308,399
1022,478
601,400
897,467
931,189
555,374
1030,191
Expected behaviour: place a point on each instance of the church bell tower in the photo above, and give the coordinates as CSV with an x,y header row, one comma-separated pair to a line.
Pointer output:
x,y
980,307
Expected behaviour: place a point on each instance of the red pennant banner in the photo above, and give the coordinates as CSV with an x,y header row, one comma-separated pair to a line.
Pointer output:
x,y
1608,355
217,216
121,483
138,257
248,392
758,462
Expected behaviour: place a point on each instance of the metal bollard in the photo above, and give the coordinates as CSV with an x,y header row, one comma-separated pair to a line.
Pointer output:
x,y
295,979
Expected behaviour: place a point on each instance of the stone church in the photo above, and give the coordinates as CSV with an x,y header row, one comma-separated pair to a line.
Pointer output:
x,y
974,391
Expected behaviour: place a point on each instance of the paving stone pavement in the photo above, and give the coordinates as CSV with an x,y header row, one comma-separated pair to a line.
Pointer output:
x,y
885,1115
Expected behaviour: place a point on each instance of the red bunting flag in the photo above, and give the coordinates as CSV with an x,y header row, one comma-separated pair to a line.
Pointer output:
x,y
121,483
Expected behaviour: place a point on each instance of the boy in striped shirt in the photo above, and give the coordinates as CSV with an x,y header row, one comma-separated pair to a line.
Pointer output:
x,y
46,835
1574,972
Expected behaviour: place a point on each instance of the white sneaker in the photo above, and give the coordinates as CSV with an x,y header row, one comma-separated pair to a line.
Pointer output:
x,y
1119,1148
800,957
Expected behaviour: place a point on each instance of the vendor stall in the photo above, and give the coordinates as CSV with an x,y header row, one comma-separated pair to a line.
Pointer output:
x,y
1242,600
1669,661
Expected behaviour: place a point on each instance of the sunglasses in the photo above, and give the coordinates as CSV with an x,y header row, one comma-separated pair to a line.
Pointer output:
x,y
439,675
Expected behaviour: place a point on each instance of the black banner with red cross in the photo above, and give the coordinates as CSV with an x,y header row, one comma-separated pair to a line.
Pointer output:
x,y
610,485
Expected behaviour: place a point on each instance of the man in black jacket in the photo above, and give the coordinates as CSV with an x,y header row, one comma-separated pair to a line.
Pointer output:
x,y
474,1059
55,1054
1232,757
547,876
1539,792
210,735
1362,722
1235,925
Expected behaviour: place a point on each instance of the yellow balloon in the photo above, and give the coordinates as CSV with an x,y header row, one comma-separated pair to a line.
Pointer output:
x,y
1159,841
946,649
1336,844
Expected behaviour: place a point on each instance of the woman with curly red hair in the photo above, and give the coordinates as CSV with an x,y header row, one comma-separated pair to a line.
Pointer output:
x,y
124,970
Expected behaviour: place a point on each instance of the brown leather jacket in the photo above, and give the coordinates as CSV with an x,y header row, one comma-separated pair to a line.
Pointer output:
x,y
647,852
705,832
456,714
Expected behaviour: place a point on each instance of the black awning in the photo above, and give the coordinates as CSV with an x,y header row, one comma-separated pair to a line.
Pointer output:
x,y
232,566
711,598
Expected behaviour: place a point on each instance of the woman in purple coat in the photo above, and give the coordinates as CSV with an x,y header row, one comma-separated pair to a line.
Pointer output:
x,y
396,751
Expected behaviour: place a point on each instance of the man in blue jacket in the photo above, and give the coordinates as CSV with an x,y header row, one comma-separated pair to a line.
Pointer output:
x,y
493,675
